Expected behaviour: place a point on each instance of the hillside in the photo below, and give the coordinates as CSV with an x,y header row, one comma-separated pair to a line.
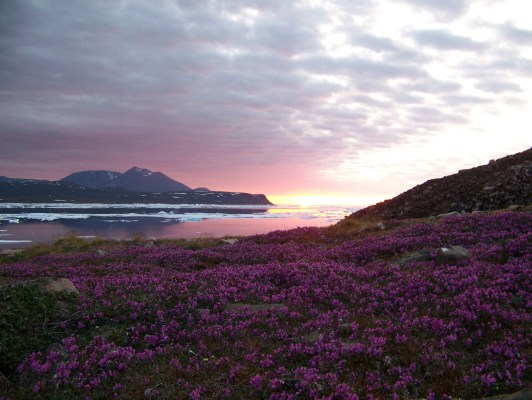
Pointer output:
x,y
499,184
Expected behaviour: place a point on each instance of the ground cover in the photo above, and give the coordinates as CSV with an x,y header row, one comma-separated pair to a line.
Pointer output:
x,y
306,313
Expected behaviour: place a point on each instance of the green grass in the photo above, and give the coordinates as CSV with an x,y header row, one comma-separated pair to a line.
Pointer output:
x,y
29,321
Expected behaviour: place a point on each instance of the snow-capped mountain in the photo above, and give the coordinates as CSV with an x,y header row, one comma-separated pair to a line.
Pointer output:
x,y
134,180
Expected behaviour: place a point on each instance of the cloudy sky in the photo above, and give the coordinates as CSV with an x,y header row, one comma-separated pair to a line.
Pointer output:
x,y
348,101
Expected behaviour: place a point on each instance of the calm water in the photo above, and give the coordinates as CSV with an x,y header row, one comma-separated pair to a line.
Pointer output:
x,y
23,225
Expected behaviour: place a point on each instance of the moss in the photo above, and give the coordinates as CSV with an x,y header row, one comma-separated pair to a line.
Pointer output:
x,y
29,321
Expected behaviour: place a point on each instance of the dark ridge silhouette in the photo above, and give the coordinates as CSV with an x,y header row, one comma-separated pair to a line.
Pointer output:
x,y
500,184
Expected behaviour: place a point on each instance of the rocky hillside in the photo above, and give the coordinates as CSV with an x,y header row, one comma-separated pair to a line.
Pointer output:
x,y
499,184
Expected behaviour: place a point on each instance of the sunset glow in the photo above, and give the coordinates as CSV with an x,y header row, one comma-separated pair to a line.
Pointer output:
x,y
311,102
316,200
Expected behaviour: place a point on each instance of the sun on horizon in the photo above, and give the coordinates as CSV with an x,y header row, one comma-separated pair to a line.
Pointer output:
x,y
306,200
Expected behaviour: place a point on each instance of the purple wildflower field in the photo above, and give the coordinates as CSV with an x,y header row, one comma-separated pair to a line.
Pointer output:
x,y
295,314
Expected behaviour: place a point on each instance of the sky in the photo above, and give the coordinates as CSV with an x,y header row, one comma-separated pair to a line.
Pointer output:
x,y
339,102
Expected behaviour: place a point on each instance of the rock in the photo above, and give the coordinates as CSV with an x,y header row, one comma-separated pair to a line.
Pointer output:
x,y
10,252
451,254
230,241
149,244
422,255
347,346
525,394
345,327
152,392
60,285
449,214
58,348
254,307
312,337
198,312
381,226
503,183
101,252
514,207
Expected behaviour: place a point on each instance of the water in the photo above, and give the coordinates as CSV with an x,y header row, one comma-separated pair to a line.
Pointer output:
x,y
23,225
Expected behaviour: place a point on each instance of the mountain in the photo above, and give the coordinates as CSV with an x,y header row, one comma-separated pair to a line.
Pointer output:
x,y
29,191
499,184
133,180
136,185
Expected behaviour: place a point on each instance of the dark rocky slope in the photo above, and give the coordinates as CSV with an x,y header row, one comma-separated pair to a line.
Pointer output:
x,y
499,184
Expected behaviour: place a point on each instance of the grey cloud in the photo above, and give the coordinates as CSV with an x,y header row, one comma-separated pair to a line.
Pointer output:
x,y
498,86
468,100
447,9
516,35
433,86
500,66
195,87
357,67
442,40
375,43
431,116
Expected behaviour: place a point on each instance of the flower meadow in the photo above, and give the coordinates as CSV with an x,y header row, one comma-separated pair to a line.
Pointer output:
x,y
299,314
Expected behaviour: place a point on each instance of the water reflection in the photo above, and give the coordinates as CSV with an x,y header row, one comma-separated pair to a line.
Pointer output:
x,y
189,223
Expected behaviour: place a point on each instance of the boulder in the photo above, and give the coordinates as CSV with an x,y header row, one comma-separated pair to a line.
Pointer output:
x,y
10,252
312,337
149,244
422,255
449,214
525,394
230,240
58,285
451,254
197,313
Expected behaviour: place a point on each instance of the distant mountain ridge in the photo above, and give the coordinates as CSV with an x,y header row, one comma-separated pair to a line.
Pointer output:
x,y
500,184
134,180
136,185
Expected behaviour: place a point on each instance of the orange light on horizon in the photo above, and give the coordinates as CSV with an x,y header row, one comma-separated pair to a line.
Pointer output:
x,y
306,200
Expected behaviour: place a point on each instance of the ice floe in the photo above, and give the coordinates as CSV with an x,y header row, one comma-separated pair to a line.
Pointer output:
x,y
166,212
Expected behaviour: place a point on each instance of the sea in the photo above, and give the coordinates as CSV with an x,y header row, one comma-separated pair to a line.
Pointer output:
x,y
27,224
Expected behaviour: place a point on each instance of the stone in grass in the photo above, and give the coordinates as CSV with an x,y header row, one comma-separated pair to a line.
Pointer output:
x,y
254,307
313,337
422,255
58,285
32,313
525,394
199,312
10,252
230,240
451,254
448,214
345,327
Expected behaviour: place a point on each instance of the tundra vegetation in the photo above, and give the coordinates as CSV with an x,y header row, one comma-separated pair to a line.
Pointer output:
x,y
354,311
